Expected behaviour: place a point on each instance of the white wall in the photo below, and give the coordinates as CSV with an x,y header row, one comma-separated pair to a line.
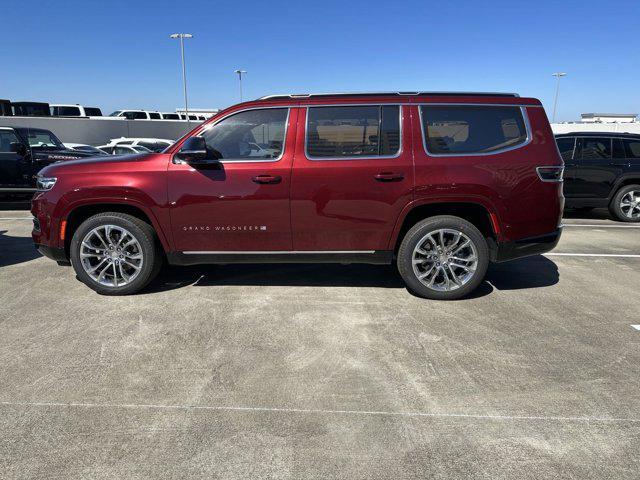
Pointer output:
x,y
98,131
596,127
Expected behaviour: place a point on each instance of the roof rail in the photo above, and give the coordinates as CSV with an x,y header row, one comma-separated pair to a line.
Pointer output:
x,y
387,94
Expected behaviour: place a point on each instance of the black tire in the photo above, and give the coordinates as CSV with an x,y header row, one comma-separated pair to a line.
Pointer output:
x,y
143,233
417,234
615,207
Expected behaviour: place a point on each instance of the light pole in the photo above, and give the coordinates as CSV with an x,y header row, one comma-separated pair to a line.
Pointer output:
x,y
182,36
240,72
555,101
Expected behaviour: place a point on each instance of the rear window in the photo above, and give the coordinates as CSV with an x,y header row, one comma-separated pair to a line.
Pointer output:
x,y
66,111
171,116
632,149
459,130
154,115
92,112
352,132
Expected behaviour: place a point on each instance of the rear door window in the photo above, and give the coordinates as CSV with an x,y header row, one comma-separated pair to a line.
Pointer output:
x,y
461,130
595,149
353,132
154,115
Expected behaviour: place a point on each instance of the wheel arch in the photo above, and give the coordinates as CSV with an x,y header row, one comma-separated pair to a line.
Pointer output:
x,y
80,212
477,212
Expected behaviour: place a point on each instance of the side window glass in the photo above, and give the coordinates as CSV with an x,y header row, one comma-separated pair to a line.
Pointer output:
x,y
565,146
7,137
595,149
250,135
351,132
632,150
459,130
618,148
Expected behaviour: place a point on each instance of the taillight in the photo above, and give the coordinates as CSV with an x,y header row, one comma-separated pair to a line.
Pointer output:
x,y
550,174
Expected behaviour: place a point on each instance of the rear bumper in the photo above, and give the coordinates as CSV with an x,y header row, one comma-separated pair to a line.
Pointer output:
x,y
57,254
526,247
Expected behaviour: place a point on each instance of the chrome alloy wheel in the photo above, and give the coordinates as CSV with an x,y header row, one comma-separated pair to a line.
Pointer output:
x,y
630,204
111,255
445,260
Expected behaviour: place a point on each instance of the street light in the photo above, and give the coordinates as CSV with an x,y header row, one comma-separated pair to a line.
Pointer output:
x,y
182,36
555,101
240,72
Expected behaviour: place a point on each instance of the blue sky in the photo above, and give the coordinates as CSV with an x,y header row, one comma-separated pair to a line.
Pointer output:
x,y
117,54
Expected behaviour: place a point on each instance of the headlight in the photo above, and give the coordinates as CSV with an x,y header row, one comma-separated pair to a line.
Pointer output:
x,y
45,183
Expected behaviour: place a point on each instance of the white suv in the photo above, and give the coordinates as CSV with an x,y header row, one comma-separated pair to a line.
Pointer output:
x,y
153,144
62,110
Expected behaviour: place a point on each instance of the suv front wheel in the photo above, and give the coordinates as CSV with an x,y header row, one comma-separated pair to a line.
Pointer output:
x,y
115,254
625,205
443,258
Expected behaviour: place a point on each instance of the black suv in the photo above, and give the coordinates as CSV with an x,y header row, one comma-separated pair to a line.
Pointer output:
x,y
26,151
602,169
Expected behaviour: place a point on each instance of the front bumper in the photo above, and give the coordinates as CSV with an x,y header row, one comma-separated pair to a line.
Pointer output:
x,y
526,247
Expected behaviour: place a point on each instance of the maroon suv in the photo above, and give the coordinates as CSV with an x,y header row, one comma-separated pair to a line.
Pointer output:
x,y
440,183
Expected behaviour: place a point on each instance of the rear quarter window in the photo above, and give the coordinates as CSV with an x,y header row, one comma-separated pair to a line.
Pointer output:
x,y
460,130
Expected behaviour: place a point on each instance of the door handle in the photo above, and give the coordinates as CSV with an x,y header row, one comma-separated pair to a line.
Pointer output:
x,y
267,179
389,177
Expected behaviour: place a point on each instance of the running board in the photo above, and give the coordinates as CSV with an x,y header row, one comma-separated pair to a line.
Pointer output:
x,y
375,257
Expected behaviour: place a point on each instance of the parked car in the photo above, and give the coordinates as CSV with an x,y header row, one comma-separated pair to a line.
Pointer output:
x,y
82,147
124,149
30,109
440,183
602,169
153,144
24,152
132,114
5,108
59,110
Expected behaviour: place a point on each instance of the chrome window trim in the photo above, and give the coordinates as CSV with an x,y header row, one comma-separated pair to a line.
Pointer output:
x,y
274,252
370,157
245,160
525,118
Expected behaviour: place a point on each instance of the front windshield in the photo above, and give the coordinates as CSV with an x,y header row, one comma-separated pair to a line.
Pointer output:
x,y
43,139
116,113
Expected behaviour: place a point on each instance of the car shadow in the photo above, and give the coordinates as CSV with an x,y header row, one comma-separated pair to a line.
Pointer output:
x,y
15,250
531,272
595,214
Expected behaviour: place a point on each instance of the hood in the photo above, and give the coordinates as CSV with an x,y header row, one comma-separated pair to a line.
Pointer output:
x,y
89,163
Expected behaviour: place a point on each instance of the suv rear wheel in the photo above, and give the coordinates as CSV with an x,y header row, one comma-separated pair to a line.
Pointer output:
x,y
625,205
115,254
443,258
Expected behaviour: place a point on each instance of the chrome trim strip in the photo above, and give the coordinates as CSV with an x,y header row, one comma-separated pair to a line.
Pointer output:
x,y
278,252
337,159
245,160
525,117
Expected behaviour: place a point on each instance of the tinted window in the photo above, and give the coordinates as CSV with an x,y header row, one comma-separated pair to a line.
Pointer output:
x,y
470,129
565,146
7,137
251,135
154,115
66,111
135,115
632,149
171,116
92,112
618,148
594,148
344,132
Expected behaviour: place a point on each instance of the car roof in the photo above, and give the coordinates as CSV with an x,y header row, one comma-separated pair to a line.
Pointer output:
x,y
599,134
387,94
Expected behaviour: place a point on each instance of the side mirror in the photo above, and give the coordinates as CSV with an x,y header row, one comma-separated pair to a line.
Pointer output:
x,y
18,148
194,151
